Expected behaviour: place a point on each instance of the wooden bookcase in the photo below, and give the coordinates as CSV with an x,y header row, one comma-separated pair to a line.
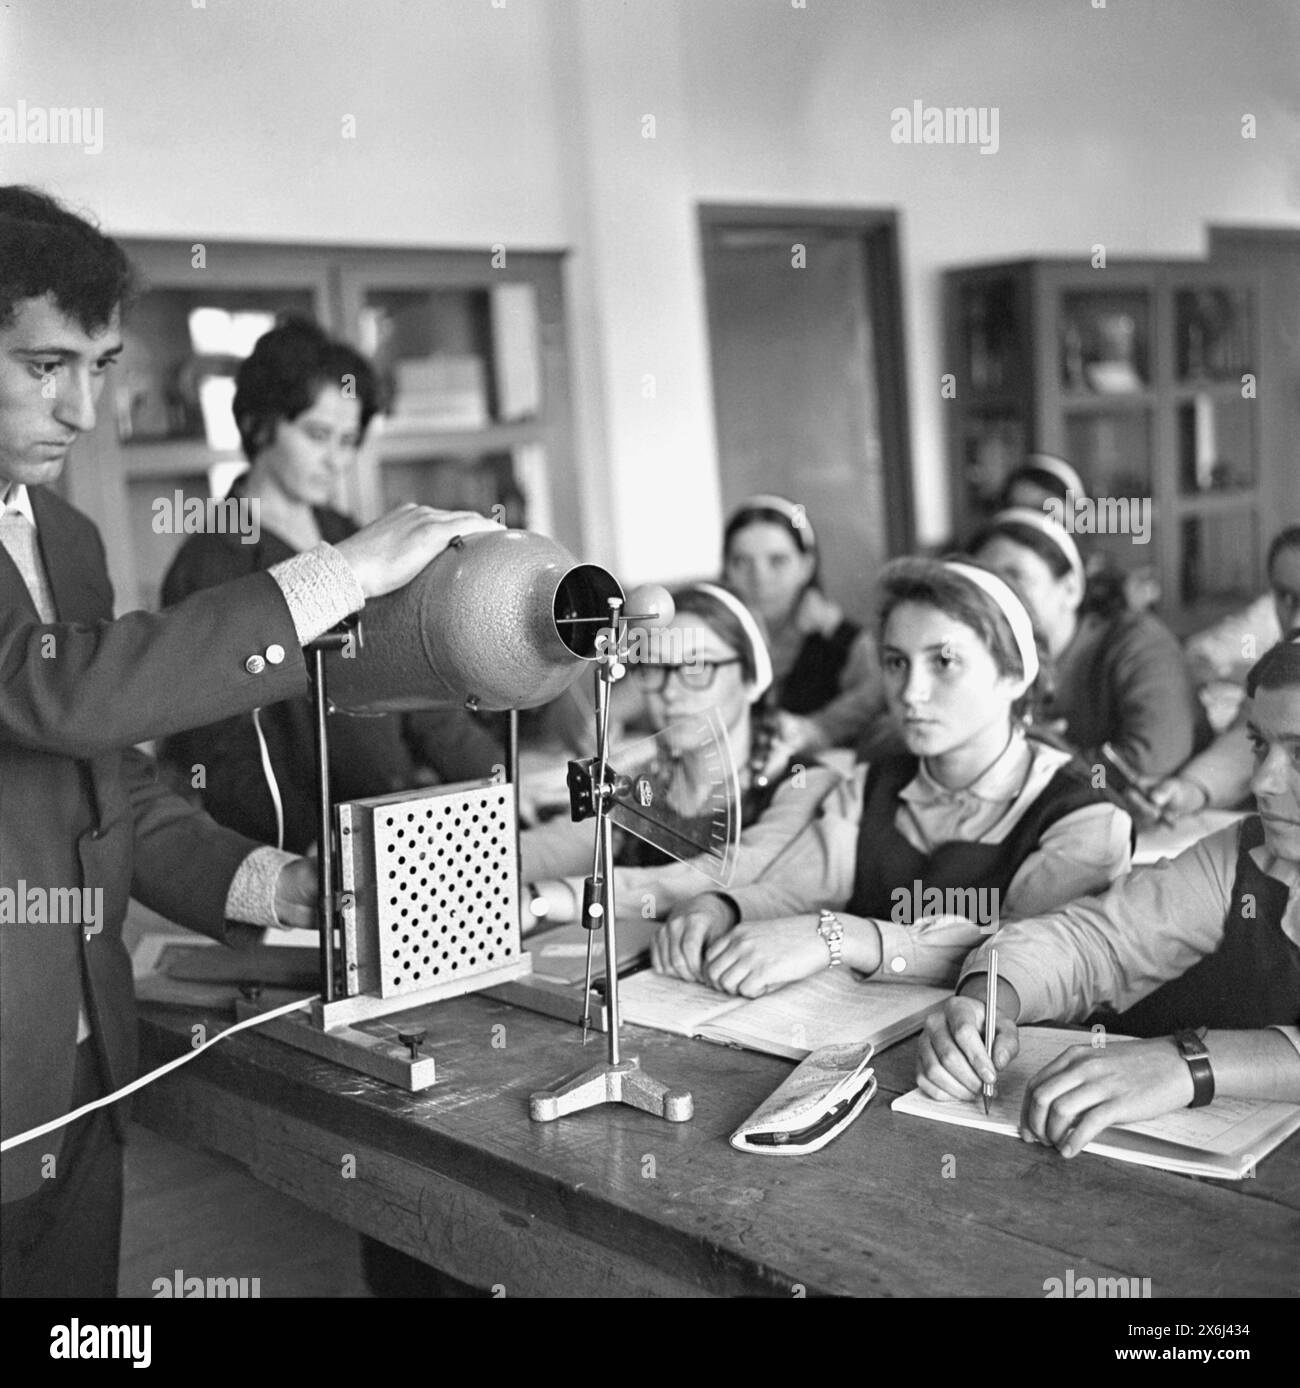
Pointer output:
x,y
1145,376
506,440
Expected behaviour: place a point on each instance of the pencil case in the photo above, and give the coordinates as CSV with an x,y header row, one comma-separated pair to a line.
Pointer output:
x,y
816,1101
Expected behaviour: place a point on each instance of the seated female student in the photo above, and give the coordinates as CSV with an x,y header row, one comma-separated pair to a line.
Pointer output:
x,y
300,430
827,680
1041,480
1119,675
1219,777
1209,940
726,667
1000,824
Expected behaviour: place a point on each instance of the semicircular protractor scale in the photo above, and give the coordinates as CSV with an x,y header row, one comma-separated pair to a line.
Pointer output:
x,y
707,838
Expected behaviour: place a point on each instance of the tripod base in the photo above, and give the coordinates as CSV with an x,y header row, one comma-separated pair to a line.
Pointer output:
x,y
623,1083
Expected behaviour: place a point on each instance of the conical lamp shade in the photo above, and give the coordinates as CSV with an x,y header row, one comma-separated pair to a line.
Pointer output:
x,y
488,624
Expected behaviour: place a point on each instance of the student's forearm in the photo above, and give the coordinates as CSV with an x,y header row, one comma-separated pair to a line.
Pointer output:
x,y
1254,1065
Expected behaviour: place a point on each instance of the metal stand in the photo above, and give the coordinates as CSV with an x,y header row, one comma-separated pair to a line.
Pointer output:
x,y
618,1081
327,903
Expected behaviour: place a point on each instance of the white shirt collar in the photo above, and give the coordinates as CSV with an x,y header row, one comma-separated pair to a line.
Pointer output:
x,y
18,499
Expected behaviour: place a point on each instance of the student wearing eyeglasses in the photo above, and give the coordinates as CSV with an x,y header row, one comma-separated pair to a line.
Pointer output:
x,y
712,657
974,806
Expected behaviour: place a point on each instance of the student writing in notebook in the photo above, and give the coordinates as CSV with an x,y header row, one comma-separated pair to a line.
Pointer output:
x,y
1209,940
974,810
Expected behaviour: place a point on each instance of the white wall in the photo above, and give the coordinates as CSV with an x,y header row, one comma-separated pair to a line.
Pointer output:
x,y
523,124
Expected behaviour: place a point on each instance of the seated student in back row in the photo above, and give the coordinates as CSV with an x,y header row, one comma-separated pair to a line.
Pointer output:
x,y
974,806
721,666
1119,675
1209,940
1219,777
826,684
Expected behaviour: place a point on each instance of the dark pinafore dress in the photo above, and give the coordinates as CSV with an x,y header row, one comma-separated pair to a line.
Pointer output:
x,y
885,859
814,678
1252,980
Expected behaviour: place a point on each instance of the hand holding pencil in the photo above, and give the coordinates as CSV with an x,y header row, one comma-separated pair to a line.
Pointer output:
x,y
966,1042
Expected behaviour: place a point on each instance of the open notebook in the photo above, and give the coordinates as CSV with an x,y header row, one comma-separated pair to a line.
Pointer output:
x,y
1224,1139
830,1008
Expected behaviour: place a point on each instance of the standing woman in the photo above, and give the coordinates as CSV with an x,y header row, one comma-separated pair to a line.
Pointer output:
x,y
827,680
973,807
302,403
1119,675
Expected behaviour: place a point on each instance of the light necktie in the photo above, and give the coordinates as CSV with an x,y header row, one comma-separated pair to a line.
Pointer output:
x,y
18,535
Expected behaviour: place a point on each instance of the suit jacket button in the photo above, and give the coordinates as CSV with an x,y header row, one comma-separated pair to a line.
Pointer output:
x,y
275,655
254,665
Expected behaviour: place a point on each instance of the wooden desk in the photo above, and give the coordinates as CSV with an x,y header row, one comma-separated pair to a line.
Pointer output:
x,y
614,1202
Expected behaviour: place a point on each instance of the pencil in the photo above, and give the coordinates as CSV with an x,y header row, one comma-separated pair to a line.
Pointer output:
x,y
1134,790
990,1020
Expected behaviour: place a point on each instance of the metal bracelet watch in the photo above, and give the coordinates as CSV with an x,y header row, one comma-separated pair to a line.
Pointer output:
x,y
832,934
1191,1046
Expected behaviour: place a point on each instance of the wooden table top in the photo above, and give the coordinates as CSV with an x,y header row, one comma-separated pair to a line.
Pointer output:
x,y
896,1206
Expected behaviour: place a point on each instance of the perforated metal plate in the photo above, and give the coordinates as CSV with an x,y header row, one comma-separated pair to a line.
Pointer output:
x,y
446,887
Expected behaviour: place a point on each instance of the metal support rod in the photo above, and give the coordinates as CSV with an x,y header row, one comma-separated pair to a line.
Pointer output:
x,y
611,945
324,826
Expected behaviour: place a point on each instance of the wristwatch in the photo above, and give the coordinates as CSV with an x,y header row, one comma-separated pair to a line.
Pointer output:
x,y
1191,1046
832,933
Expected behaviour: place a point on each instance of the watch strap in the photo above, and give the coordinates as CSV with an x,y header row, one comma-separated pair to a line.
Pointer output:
x,y
1191,1046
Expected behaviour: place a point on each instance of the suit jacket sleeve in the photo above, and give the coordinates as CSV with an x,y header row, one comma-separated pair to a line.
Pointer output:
x,y
184,861
82,689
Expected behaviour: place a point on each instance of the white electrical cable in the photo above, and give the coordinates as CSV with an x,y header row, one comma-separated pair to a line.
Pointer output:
x,y
19,1138
271,783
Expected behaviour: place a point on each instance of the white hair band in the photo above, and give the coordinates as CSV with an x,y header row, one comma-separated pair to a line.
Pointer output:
x,y
1058,468
1045,525
795,515
758,645
1022,628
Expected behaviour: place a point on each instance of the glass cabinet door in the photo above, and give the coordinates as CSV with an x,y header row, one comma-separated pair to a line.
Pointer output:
x,y
1104,345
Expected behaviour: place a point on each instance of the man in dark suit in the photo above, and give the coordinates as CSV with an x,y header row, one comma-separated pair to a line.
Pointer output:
x,y
84,822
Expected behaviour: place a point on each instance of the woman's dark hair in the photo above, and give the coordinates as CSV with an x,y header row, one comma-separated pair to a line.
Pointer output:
x,y
45,249
1027,535
769,515
1284,539
692,601
931,582
286,371
1103,592
1277,668
1039,477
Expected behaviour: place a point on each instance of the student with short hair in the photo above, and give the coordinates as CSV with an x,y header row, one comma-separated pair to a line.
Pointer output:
x,y
1118,675
1208,941
303,403
81,809
974,805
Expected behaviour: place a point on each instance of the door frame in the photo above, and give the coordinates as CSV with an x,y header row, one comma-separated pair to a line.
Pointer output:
x,y
878,232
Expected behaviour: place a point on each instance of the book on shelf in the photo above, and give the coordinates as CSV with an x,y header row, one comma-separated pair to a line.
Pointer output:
x,y
1224,1139
827,1009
